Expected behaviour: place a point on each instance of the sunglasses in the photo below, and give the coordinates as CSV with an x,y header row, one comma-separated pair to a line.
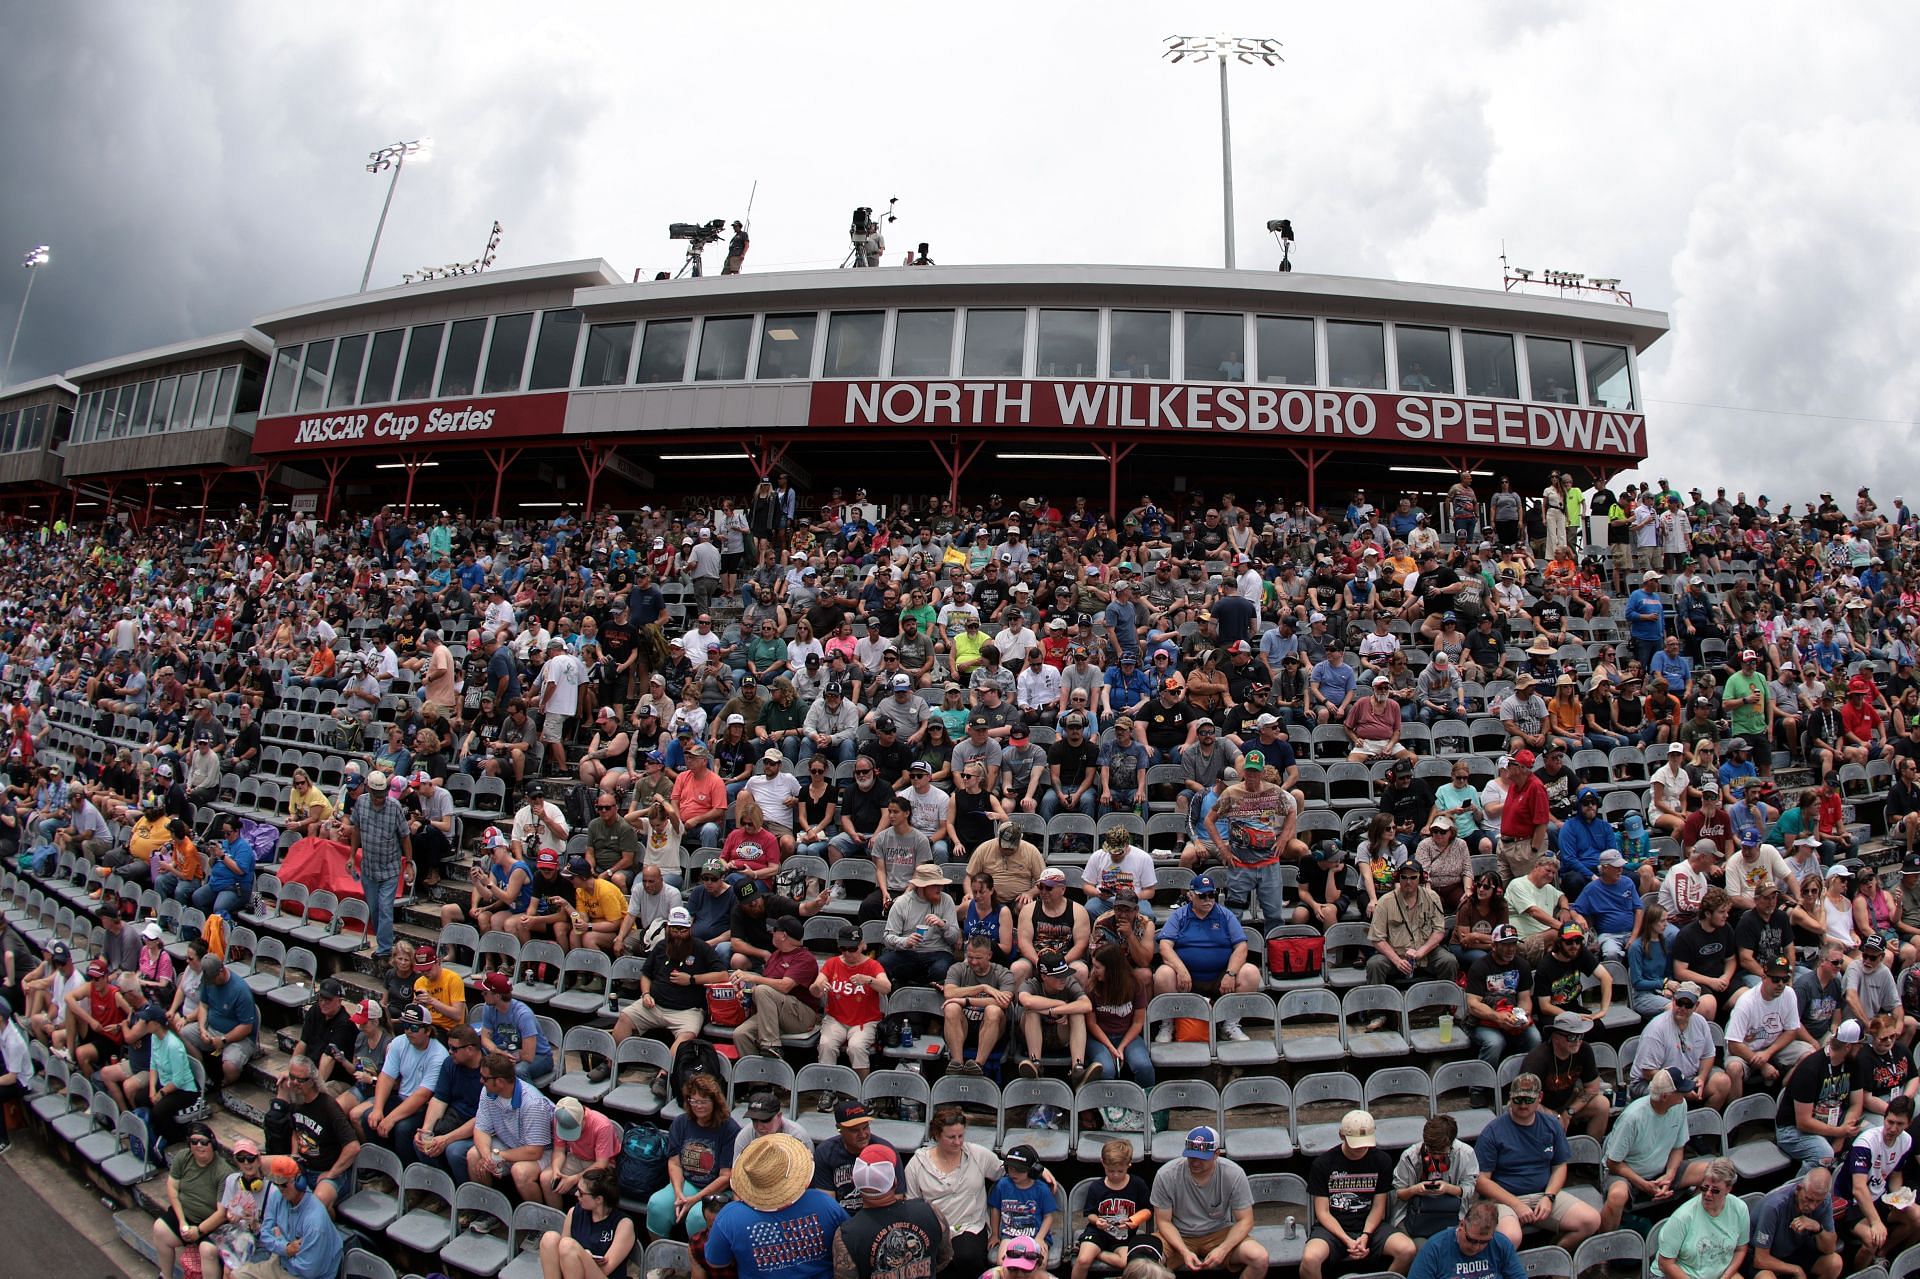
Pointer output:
x,y
201,1142
239,1159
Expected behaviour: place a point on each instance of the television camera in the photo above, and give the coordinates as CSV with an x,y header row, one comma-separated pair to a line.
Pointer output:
x,y
868,242
698,236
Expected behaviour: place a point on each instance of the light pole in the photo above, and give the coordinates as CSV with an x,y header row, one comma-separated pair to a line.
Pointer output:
x,y
1248,49
38,255
393,157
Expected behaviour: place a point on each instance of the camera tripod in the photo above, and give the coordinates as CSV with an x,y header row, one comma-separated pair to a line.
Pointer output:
x,y
695,263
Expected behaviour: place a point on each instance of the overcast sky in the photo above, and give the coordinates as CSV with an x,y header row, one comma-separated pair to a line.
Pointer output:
x,y
1747,168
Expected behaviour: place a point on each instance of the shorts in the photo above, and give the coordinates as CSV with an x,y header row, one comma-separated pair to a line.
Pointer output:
x,y
1556,1218
1376,1243
1105,1241
1201,1245
681,1021
552,726
109,1049
572,1165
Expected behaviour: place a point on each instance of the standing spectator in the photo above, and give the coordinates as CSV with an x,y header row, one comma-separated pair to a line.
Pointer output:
x,y
380,843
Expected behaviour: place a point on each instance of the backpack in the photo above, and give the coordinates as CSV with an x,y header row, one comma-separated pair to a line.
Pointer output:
x,y
696,1057
1296,956
578,806
643,1161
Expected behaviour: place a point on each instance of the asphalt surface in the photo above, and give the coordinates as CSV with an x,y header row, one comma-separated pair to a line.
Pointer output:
x,y
39,1239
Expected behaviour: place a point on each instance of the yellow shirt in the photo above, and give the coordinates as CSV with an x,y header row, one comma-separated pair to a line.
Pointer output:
x,y
448,989
601,901
301,803
148,835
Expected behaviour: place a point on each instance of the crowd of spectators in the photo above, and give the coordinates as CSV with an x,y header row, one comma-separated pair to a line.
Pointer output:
x,y
738,740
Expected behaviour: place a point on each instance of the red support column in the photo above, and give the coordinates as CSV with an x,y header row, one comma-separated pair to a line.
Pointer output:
x,y
206,493
1310,459
413,462
500,460
593,458
957,466
333,465
1115,454
764,457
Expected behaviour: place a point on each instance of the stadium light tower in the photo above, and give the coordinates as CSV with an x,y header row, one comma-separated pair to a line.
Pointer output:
x,y
393,156
1247,49
37,256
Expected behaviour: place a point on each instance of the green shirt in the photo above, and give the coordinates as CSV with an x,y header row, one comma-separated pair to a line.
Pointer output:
x,y
1749,720
1643,1139
199,1187
778,719
763,653
1702,1243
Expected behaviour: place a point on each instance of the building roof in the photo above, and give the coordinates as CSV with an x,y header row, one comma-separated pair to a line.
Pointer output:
x,y
51,382
584,273
1139,285
238,340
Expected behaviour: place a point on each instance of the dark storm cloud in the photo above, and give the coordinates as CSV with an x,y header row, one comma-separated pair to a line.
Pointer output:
x,y
193,174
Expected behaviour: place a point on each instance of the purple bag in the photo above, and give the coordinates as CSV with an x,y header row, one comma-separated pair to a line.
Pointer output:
x,y
264,838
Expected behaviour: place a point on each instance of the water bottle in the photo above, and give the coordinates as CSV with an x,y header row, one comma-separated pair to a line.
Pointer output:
x,y
906,1036
1293,1227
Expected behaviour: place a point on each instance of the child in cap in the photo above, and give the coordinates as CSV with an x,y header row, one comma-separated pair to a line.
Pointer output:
x,y
1021,1206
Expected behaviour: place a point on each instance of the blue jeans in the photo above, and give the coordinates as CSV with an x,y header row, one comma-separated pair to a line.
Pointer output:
x,y
812,848
707,835
532,1070
840,752
455,1158
1810,1150
1494,1046
171,887
1051,803
219,901
379,894
1139,1060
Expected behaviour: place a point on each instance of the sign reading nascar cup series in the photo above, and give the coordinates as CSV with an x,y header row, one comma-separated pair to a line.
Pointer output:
x,y
417,425
1275,412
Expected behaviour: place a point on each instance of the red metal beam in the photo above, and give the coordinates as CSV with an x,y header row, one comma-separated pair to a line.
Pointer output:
x,y
1310,460
1115,454
593,457
764,457
500,459
958,466
333,465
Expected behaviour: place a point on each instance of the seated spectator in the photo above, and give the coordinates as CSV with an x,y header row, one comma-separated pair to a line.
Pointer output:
x,y
502,886
1407,930
776,1201
513,1130
1646,1154
398,1107
1561,973
1473,1247
978,994
1447,859
1571,1089
699,1160
1023,1213
1203,1210
1055,1006
586,1145
1433,1181
1349,1189
672,995
225,1030
1051,921
1538,906
1679,1040
1373,724
1874,1168
1793,1230
1117,864
1762,936
1204,949
507,1025
597,1238
781,987
1500,999
1883,1070
1871,990
195,1176
1117,1211
1707,1237
445,1135
1609,907
1820,1106
1764,1030
1523,1158
835,1158
597,908
319,1133
922,931
850,986
299,1238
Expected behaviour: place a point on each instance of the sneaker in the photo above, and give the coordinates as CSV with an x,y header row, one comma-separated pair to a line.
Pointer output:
x,y
1164,1035
968,1067
1374,1025
6,1144
660,1088
837,893
484,1224
1231,1030
601,1072
1088,1073
1029,1068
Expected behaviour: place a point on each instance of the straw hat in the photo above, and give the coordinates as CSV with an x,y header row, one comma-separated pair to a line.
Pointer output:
x,y
773,1172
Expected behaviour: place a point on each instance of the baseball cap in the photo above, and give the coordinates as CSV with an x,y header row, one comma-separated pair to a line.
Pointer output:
x,y
497,984
1871,942
580,868
679,917
415,1017
569,1118
876,1169
1022,1252
1686,992
369,1010
1505,932
1253,762
1572,1024
1849,1032
376,780
1356,1130
1662,1083
332,989
851,1114
763,1106
1612,857
1054,964
546,859
1203,885
1202,1143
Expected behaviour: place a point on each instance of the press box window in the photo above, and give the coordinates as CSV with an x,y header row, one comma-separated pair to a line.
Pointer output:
x,y
508,354
663,351
609,348
786,347
383,365
1138,344
723,349
1490,367
995,344
1286,350
1069,344
1426,359
853,344
460,371
1609,385
553,353
923,344
423,356
1215,347
1357,355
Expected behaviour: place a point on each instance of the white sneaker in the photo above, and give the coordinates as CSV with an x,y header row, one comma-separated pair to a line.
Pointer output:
x,y
1231,1030
838,893
1164,1035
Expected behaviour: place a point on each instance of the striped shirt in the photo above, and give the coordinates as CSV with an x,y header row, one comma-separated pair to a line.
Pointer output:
x,y
381,829
525,1119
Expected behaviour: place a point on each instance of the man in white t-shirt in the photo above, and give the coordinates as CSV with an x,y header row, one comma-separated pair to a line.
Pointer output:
x,y
559,683
1118,863
538,826
771,788
1764,1029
